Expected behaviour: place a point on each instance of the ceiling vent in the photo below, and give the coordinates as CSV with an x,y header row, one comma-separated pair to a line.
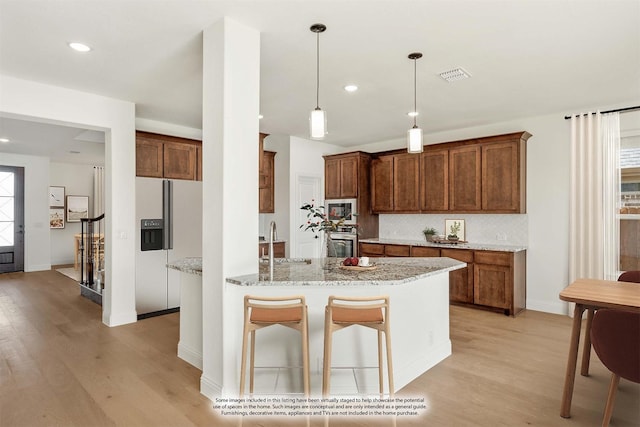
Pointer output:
x,y
455,74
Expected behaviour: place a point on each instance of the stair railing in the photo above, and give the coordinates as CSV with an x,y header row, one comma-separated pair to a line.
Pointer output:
x,y
92,253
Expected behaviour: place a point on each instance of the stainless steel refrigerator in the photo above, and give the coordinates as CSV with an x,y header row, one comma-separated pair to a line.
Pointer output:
x,y
178,206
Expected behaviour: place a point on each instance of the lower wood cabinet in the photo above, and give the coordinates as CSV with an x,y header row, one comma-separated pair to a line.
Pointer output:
x,y
492,279
278,249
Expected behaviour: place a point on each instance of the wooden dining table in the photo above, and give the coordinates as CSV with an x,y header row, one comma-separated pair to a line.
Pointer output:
x,y
592,294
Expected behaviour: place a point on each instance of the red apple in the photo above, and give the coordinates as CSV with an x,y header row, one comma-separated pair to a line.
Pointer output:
x,y
346,262
354,261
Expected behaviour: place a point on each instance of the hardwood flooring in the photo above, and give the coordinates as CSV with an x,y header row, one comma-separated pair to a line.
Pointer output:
x,y
60,366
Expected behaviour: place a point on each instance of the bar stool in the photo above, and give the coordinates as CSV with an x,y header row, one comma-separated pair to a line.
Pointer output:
x,y
371,312
260,312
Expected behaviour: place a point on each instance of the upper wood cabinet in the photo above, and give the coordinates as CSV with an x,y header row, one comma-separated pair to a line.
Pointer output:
x,y
465,179
395,183
341,176
434,180
382,184
266,187
483,175
163,156
347,176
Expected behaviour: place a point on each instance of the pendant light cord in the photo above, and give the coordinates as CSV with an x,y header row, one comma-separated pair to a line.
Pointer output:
x,y
317,70
415,90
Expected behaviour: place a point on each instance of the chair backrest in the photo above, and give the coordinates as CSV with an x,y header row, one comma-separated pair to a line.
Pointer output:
x,y
630,276
615,335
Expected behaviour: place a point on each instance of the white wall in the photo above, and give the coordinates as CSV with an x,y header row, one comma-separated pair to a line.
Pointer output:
x,y
37,255
548,164
305,160
279,144
77,180
51,104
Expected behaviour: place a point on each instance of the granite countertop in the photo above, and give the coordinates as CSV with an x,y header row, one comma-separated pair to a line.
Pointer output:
x,y
187,265
314,272
474,246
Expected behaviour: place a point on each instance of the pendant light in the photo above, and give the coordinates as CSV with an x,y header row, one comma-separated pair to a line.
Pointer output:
x,y
318,117
414,135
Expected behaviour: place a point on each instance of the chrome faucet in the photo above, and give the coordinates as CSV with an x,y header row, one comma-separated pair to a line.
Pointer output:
x,y
273,235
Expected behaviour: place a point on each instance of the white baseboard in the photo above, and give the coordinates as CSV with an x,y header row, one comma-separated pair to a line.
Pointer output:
x,y
41,267
559,307
209,388
190,355
118,319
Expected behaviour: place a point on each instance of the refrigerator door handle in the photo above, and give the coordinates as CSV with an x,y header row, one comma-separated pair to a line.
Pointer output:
x,y
167,214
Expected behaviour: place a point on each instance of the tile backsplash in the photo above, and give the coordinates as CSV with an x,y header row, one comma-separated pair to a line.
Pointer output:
x,y
509,229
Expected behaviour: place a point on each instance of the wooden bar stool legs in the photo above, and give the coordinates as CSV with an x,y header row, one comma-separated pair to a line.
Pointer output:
x,y
260,312
371,312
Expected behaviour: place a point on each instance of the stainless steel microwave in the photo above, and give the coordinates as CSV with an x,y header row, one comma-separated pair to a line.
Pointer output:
x,y
341,208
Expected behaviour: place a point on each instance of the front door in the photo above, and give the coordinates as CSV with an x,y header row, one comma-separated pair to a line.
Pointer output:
x,y
11,219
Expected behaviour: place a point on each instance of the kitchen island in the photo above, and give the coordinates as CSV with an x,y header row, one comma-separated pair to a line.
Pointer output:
x,y
419,318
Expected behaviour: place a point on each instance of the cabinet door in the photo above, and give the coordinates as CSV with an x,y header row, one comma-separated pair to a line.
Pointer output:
x,y
149,158
349,178
460,281
464,179
492,286
199,162
500,177
406,183
423,251
434,180
382,184
397,250
371,249
332,179
266,203
179,161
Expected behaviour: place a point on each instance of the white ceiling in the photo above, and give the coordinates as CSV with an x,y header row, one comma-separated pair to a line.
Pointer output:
x,y
527,58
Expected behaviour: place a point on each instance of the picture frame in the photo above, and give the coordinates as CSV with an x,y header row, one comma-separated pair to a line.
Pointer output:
x,y
56,217
454,227
77,208
56,197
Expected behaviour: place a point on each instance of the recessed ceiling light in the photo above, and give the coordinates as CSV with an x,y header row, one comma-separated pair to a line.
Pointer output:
x,y
79,47
351,88
74,152
260,116
4,139
412,113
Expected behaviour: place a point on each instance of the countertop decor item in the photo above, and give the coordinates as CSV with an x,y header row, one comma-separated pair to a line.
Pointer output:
x,y
454,229
430,234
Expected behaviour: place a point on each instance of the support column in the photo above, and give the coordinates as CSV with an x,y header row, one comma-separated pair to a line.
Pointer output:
x,y
231,103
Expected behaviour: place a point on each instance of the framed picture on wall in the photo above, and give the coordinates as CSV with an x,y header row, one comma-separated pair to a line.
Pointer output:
x,y
454,229
56,197
56,217
77,207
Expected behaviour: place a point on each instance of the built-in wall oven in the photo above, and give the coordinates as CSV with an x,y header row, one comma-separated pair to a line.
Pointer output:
x,y
344,244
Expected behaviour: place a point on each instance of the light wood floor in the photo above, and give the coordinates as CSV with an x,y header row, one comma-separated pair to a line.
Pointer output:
x,y
60,366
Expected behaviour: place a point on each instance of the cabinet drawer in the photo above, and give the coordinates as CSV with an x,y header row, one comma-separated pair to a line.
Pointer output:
x,y
422,251
371,249
397,250
493,258
458,254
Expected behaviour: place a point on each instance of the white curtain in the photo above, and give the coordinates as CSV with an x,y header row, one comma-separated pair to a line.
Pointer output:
x,y
595,186
98,191
612,201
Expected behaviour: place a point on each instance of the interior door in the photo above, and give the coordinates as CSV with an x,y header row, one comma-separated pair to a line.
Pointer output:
x,y
11,219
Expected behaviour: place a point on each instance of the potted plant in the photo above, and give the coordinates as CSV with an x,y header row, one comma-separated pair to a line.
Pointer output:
x,y
453,231
430,234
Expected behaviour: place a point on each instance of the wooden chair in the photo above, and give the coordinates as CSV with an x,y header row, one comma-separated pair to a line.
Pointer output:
x,y
628,276
370,312
616,339
260,312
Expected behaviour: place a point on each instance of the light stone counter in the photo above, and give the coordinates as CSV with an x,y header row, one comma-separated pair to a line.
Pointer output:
x,y
187,265
418,289
320,272
472,246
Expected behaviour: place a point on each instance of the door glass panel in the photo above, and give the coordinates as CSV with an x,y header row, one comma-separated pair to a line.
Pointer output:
x,y
7,196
